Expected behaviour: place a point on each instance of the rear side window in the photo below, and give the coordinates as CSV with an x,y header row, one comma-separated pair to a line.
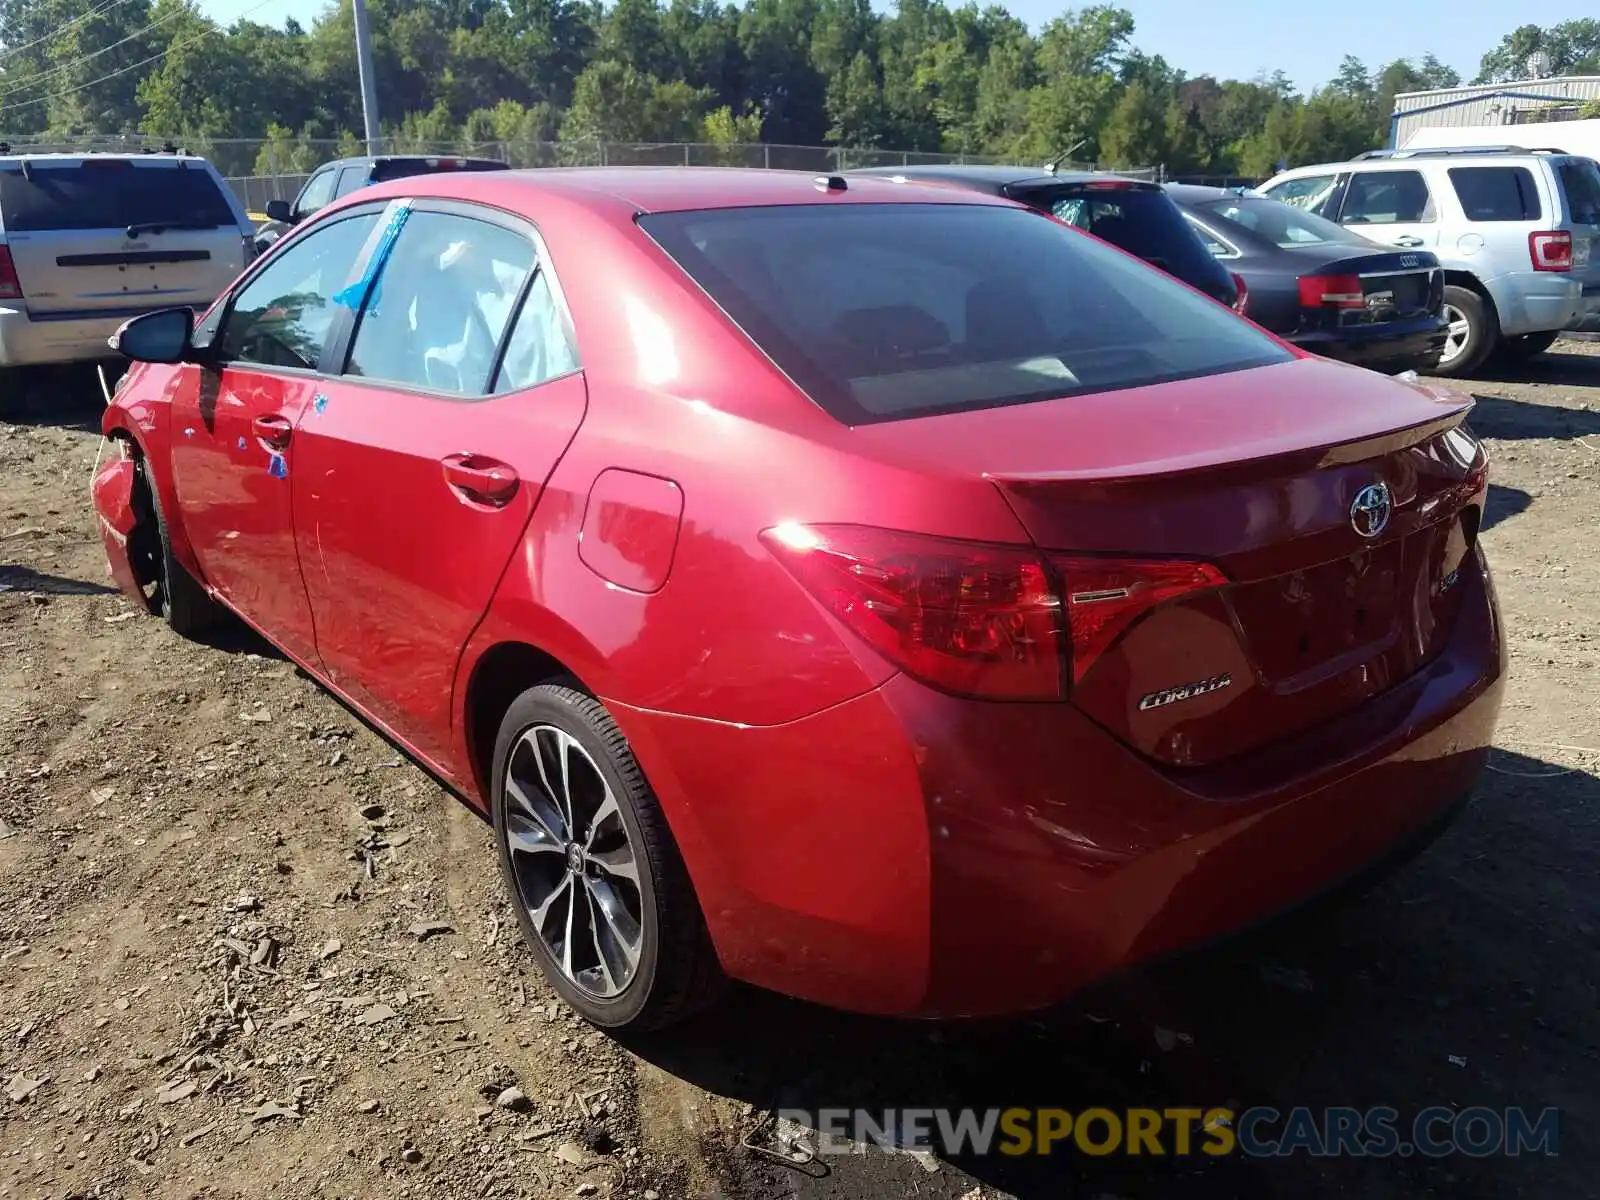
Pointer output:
x,y
1387,198
441,304
1580,178
1496,193
111,193
890,311
1142,221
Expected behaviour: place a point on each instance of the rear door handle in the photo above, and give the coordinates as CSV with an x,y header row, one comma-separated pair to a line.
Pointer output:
x,y
273,430
480,479
1407,239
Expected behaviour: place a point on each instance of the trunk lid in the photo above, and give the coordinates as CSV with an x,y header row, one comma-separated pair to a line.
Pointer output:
x,y
1258,473
117,234
1395,286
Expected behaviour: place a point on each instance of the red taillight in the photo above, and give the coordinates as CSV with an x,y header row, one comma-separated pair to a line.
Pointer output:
x,y
10,285
1106,595
1108,185
446,164
978,619
1551,251
1331,291
970,618
1242,301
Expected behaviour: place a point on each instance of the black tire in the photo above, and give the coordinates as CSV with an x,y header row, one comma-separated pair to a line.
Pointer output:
x,y
1519,349
676,973
178,597
1482,334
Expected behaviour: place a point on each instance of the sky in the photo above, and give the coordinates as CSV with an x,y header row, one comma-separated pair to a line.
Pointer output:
x,y
1237,39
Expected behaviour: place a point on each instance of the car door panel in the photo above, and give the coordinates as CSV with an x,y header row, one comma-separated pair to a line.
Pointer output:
x,y
233,487
1392,208
233,453
401,560
410,500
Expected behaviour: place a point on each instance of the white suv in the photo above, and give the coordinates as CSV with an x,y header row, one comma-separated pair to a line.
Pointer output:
x,y
1517,232
89,240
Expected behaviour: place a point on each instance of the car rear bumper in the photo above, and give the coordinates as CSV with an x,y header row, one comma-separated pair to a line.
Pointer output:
x,y
1536,301
1589,320
31,340
1411,345
912,853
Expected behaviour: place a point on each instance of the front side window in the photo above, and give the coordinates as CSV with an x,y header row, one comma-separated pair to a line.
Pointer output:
x,y
1310,192
441,304
1496,193
317,193
890,311
1387,198
283,316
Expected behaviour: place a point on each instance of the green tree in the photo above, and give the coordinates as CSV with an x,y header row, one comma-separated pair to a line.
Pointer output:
x,y
1134,135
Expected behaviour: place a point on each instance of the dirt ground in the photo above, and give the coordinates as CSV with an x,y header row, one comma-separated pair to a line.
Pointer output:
x,y
246,950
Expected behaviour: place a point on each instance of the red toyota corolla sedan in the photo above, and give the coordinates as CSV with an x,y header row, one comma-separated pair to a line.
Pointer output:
x,y
889,596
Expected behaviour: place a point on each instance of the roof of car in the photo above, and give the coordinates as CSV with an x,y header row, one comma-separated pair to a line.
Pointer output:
x,y
979,174
661,189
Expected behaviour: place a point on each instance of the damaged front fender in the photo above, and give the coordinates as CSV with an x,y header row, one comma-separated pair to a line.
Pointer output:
x,y
112,491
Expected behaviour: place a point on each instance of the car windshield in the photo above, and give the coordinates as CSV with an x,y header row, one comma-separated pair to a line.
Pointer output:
x,y
890,311
1282,224
111,193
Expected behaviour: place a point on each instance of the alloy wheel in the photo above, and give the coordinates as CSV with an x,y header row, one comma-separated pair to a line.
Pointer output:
x,y
575,865
1455,340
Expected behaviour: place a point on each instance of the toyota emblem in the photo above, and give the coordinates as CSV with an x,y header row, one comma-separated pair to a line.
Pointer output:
x,y
1370,510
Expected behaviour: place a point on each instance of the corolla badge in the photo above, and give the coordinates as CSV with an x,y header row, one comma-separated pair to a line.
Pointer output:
x,y
1371,509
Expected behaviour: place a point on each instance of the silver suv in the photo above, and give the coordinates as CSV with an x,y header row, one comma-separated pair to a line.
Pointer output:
x,y
89,240
1517,232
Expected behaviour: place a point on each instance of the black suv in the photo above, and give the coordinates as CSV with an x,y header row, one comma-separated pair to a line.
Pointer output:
x,y
333,180
1132,214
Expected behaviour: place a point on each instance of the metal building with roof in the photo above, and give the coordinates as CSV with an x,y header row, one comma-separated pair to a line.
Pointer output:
x,y
1525,102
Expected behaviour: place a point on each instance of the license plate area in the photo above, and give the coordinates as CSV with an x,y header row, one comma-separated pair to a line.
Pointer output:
x,y
1299,623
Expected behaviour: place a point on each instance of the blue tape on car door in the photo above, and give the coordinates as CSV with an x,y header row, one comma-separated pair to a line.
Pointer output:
x,y
352,296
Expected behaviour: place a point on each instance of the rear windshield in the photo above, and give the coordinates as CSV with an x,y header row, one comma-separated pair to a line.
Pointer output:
x,y
1581,179
1141,220
405,168
1496,193
1281,224
888,311
109,194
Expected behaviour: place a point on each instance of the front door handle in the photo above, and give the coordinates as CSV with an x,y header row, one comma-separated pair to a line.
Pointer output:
x,y
273,430
1408,239
480,479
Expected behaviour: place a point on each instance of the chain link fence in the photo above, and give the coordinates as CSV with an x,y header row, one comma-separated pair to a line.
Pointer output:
x,y
260,170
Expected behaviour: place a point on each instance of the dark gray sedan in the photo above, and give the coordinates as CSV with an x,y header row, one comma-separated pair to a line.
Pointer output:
x,y
1321,286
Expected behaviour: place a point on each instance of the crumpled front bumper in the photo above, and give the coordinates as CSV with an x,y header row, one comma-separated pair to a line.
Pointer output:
x,y
112,492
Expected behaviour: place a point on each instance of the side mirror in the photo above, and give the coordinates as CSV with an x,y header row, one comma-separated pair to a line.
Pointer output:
x,y
278,210
158,337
